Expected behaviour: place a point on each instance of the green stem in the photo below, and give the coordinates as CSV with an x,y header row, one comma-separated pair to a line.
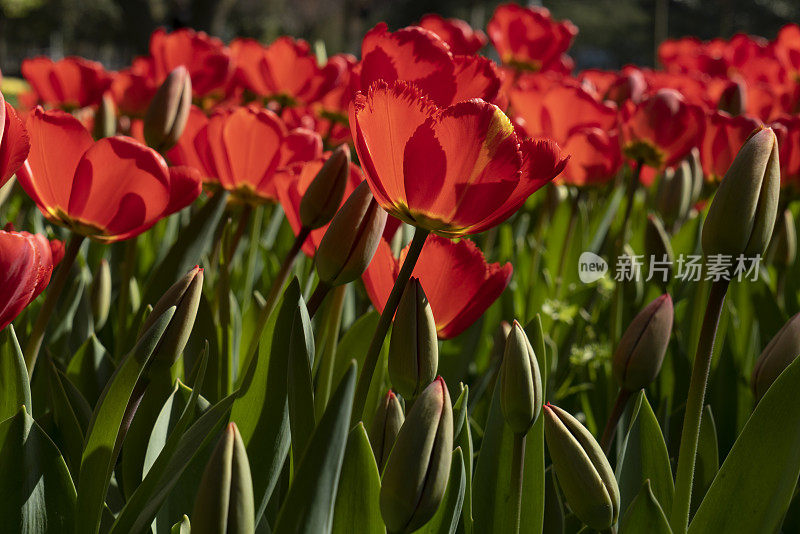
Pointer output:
x,y
54,289
127,271
224,316
332,322
633,185
613,419
679,518
517,469
244,221
375,346
317,297
565,250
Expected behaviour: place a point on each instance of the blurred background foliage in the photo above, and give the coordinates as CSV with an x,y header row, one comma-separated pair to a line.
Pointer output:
x,y
612,32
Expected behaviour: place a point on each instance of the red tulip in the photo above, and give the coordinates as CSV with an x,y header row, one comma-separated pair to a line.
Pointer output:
x,y
454,171
787,49
459,36
787,129
26,263
133,88
458,282
206,58
185,151
243,147
595,156
14,141
661,130
528,38
108,190
72,82
724,136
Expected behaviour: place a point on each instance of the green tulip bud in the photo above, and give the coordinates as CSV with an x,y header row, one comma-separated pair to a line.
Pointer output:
x,y
698,178
105,118
641,349
100,295
224,502
674,194
185,296
742,214
658,247
783,247
324,194
385,426
418,467
351,239
520,382
168,112
778,354
414,347
582,470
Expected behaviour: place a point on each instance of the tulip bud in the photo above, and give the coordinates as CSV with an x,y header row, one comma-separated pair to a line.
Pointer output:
x,y
385,426
733,99
351,239
784,241
698,178
658,247
418,467
185,296
168,112
641,349
224,502
324,194
105,118
414,347
100,295
778,354
520,382
582,469
674,195
630,85
742,214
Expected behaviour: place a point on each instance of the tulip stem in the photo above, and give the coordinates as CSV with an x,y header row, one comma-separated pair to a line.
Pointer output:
x,y
375,346
679,518
633,185
517,469
275,290
126,274
332,320
574,214
317,297
613,419
54,289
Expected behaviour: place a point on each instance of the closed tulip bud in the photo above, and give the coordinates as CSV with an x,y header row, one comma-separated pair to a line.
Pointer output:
x,y
520,382
418,467
641,349
742,214
778,354
168,112
733,99
698,178
414,348
224,502
784,241
185,296
324,194
100,295
351,239
674,195
105,118
582,469
385,425
658,247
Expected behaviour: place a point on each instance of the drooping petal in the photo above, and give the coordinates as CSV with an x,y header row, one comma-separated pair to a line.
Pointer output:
x,y
14,141
185,186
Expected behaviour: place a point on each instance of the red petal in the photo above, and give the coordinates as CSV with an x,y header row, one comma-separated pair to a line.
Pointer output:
x,y
14,141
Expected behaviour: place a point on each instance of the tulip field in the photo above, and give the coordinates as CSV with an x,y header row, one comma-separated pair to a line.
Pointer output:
x,y
452,285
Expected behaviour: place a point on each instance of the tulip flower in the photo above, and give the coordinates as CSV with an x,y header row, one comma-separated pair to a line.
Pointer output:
x,y
459,283
777,355
385,426
14,141
733,99
661,130
453,171
520,382
70,83
459,36
721,141
108,190
418,467
787,129
169,110
244,147
26,263
185,150
133,88
674,194
528,39
595,157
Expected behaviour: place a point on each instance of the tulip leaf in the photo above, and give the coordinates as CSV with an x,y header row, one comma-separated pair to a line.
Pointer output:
x,y
300,387
36,492
15,390
69,427
309,504
644,456
553,507
645,515
184,527
445,521
102,443
491,487
707,462
355,343
463,438
755,484
90,369
261,411
357,507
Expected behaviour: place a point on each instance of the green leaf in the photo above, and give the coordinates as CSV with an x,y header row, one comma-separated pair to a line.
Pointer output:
x,y
15,390
707,462
553,507
357,507
69,427
301,389
90,369
308,507
184,527
644,456
102,443
754,486
36,492
463,439
445,521
262,409
645,515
